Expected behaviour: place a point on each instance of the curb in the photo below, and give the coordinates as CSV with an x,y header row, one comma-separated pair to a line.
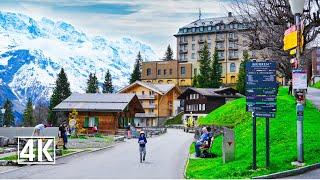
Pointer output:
x,y
100,149
185,167
288,173
70,154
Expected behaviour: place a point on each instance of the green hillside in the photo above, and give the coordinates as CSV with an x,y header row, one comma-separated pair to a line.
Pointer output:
x,y
282,140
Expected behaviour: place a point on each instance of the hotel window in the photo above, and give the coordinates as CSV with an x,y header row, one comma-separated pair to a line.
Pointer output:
x,y
221,54
159,71
209,37
193,29
232,67
200,107
170,71
91,121
201,28
148,71
193,56
209,28
164,72
231,35
201,37
151,93
235,26
203,107
193,46
185,30
193,38
185,39
183,70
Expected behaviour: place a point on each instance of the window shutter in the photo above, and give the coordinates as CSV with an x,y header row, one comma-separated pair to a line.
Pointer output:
x,y
86,122
96,119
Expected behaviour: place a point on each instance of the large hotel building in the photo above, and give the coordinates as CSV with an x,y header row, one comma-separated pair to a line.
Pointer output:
x,y
225,34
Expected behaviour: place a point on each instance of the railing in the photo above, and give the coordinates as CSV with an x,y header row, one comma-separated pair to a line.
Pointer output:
x,y
146,96
183,42
201,41
183,51
149,106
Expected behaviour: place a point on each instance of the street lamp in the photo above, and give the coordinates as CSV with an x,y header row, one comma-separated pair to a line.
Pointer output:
x,y
297,9
3,110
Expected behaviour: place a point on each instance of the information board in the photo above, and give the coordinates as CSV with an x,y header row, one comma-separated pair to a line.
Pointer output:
x,y
299,79
261,88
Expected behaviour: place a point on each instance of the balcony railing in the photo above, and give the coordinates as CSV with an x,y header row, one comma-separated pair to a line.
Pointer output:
x,y
183,42
149,106
146,96
234,47
233,38
201,41
183,51
233,57
220,39
220,47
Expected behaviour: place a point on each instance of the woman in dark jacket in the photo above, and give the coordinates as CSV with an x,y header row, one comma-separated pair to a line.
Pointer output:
x,y
63,134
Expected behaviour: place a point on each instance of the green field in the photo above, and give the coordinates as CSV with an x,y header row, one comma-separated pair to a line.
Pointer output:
x,y
282,140
316,85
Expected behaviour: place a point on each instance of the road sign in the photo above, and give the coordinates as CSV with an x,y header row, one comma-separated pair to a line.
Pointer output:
x,y
290,40
299,79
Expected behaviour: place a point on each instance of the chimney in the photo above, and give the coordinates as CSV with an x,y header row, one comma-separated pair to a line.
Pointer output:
x,y
229,14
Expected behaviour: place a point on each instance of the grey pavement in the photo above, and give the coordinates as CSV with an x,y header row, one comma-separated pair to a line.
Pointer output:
x,y
314,174
166,158
314,96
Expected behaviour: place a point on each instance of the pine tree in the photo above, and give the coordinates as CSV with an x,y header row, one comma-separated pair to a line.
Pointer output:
x,y
136,74
195,81
169,54
216,71
8,115
205,68
60,93
241,84
28,119
92,84
107,85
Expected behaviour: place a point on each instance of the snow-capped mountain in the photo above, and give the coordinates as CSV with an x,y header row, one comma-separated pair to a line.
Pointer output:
x,y
32,52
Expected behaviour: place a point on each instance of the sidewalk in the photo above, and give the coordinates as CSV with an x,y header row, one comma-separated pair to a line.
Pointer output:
x,y
314,96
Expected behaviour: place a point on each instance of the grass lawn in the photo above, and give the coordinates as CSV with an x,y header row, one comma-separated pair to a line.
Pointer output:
x,y
175,120
316,85
282,140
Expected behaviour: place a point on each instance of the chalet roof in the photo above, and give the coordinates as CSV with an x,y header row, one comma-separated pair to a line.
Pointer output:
x,y
97,102
213,92
159,88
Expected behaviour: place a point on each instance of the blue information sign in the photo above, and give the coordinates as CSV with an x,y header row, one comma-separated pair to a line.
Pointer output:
x,y
261,88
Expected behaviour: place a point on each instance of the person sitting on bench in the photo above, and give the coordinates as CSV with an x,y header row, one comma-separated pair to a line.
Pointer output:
x,y
204,137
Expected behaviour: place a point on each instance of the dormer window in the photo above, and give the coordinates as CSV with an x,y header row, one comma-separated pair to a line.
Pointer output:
x,y
193,29
201,28
185,30
209,28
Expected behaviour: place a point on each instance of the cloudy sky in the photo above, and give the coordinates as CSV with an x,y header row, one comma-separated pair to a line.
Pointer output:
x,y
151,21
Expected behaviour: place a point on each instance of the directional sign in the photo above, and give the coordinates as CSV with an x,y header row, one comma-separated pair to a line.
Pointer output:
x,y
261,88
264,114
290,40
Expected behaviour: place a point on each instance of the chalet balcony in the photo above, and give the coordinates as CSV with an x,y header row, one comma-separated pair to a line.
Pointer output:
x,y
145,115
149,106
183,51
146,96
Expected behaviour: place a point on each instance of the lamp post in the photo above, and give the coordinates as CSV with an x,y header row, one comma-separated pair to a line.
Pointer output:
x,y
297,10
3,110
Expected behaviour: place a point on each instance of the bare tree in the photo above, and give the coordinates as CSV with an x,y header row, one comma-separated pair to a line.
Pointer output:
x,y
268,20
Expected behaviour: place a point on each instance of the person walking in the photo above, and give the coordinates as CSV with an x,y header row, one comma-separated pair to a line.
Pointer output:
x,y
39,130
290,88
142,146
63,134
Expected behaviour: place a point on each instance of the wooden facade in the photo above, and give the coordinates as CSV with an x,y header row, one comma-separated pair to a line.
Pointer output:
x,y
109,114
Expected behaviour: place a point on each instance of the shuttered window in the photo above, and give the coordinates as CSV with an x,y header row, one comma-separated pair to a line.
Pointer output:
x,y
91,122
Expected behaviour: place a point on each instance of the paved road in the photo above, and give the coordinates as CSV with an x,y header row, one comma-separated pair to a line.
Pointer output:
x,y
315,174
314,95
166,157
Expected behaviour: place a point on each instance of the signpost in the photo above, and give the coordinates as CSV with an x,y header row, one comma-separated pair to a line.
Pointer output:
x,y
261,93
